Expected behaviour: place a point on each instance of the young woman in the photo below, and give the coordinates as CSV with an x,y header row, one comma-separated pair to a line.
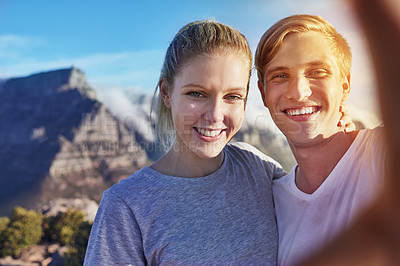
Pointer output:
x,y
205,202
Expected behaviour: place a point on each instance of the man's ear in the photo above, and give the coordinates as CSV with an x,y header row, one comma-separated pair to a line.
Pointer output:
x,y
346,87
164,91
262,91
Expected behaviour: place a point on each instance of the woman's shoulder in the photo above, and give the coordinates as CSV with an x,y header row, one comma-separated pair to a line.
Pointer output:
x,y
246,154
248,150
133,184
249,154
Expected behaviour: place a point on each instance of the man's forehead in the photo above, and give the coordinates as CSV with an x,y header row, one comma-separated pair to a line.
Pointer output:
x,y
303,49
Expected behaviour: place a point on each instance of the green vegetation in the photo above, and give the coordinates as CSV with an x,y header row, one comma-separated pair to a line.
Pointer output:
x,y
23,229
71,229
27,227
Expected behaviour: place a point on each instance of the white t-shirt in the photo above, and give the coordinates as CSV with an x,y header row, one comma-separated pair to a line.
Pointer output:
x,y
308,221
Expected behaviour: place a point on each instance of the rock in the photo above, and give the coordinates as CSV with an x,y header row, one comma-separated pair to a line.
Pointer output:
x,y
33,254
52,248
41,255
8,260
56,206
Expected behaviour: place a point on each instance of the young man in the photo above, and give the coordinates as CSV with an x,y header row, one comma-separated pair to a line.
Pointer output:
x,y
303,67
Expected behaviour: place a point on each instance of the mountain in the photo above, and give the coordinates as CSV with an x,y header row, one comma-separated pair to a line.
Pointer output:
x,y
57,140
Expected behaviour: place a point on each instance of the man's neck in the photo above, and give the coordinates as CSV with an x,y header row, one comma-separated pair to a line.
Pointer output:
x,y
316,162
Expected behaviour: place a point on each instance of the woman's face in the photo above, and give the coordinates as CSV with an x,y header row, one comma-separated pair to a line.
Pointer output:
x,y
207,103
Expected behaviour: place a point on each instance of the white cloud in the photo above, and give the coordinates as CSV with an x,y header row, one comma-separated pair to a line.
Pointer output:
x,y
15,46
138,68
16,41
132,115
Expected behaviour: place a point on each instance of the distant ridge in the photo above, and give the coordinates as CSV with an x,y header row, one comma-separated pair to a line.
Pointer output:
x,y
50,82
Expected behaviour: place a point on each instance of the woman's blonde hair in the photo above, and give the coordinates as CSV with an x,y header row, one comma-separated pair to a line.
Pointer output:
x,y
194,39
272,39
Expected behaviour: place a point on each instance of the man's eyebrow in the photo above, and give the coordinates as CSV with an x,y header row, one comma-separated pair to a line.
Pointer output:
x,y
278,68
322,64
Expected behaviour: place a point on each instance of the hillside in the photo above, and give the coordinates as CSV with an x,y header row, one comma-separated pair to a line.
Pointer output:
x,y
58,140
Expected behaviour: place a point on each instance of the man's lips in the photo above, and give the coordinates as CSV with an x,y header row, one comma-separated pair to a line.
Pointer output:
x,y
306,110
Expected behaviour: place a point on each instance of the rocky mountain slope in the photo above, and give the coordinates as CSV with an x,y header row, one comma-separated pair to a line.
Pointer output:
x,y
57,140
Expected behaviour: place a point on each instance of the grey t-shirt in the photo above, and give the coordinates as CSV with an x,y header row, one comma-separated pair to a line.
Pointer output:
x,y
225,218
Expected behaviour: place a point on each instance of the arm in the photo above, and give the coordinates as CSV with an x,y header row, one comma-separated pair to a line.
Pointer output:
x,y
115,238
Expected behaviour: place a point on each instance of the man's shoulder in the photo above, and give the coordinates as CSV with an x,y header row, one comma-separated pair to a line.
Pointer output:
x,y
371,136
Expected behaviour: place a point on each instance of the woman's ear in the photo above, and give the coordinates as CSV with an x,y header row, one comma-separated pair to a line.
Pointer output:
x,y
346,87
164,91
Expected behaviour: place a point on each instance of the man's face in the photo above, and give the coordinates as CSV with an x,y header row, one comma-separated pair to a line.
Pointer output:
x,y
303,88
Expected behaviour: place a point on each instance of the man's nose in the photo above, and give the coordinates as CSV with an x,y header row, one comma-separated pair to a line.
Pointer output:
x,y
299,89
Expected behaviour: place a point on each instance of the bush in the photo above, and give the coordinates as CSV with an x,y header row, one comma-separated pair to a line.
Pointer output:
x,y
23,229
63,227
4,221
27,227
69,228
76,254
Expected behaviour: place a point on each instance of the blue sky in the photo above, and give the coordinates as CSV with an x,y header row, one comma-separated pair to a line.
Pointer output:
x,y
120,44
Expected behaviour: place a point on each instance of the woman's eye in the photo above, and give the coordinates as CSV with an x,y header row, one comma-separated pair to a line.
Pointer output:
x,y
195,94
234,98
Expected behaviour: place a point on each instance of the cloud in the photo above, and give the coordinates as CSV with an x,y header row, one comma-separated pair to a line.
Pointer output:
x,y
14,46
133,68
10,40
135,116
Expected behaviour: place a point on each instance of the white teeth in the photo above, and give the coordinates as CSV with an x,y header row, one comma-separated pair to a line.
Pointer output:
x,y
302,111
209,133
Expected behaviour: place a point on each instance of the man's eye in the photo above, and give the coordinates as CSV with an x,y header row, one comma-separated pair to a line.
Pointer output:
x,y
318,73
279,76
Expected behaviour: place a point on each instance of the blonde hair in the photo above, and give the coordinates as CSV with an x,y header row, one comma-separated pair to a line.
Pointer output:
x,y
193,40
272,39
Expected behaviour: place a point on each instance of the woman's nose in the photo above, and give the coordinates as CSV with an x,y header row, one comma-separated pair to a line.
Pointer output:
x,y
215,111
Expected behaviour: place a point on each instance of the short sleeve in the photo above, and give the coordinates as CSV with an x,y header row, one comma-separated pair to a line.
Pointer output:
x,y
115,238
379,151
271,166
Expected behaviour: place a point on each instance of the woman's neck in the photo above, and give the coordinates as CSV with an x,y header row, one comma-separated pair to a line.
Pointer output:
x,y
187,164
